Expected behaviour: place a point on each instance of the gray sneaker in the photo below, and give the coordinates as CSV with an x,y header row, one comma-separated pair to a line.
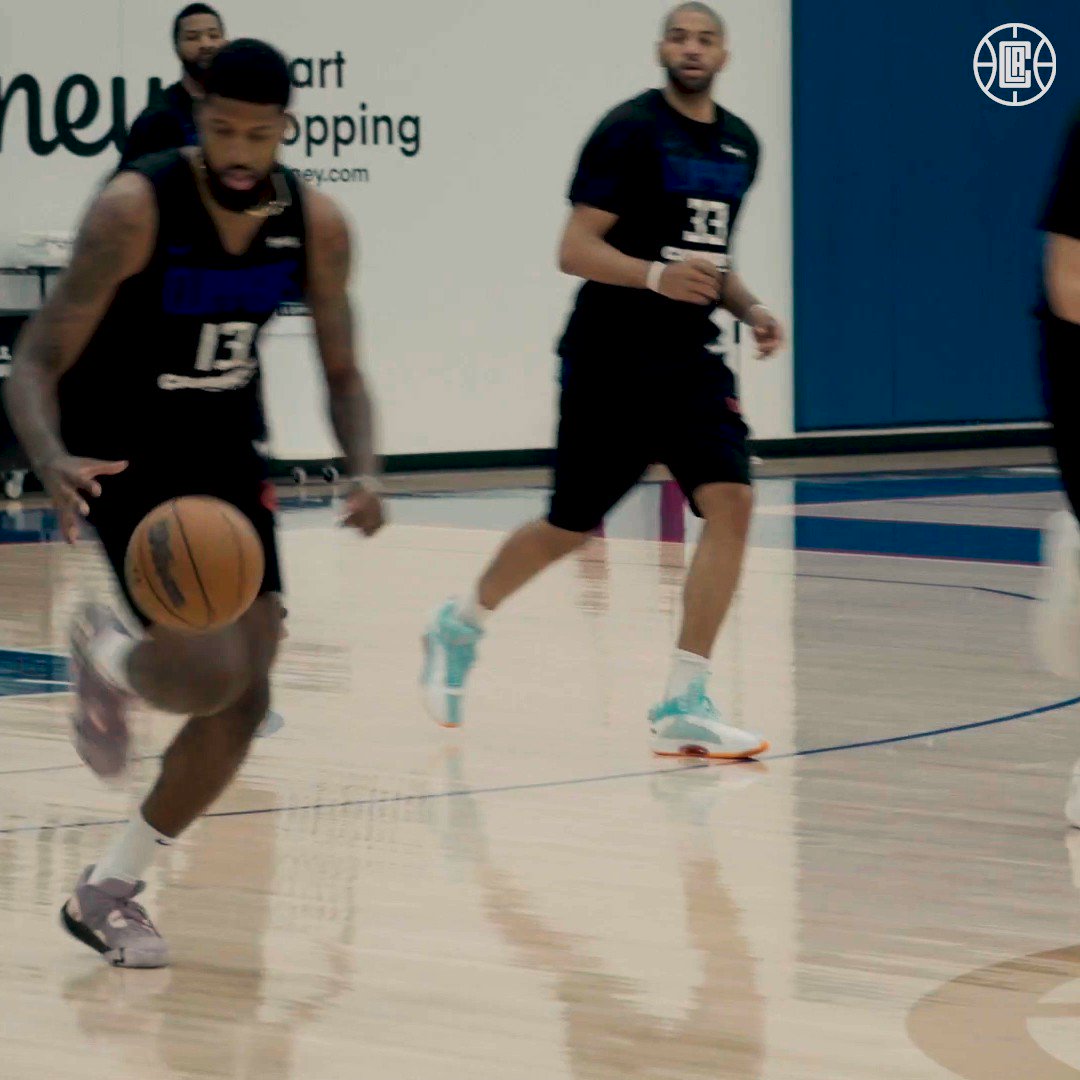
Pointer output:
x,y
99,724
272,723
106,917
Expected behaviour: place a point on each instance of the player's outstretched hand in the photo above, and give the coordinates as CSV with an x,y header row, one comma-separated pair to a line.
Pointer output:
x,y
693,282
69,482
363,511
768,332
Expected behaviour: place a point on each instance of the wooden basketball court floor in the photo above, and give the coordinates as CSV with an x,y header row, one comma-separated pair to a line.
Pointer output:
x,y
890,892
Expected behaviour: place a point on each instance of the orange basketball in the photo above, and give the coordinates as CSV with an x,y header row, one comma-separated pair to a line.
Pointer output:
x,y
194,564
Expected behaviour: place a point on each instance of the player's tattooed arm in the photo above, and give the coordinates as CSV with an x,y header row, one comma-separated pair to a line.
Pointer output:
x,y
114,242
351,411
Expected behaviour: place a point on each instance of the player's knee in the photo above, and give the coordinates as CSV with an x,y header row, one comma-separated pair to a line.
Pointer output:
x,y
244,685
209,673
219,680
729,506
561,541
242,718
262,628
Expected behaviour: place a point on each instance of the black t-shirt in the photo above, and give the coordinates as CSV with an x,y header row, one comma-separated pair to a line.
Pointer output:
x,y
166,124
677,186
172,371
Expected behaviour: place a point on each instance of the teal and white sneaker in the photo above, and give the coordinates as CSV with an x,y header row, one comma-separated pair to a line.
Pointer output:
x,y
690,726
449,654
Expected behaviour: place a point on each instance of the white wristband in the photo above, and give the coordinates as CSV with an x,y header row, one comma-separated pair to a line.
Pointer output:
x,y
656,272
371,484
750,310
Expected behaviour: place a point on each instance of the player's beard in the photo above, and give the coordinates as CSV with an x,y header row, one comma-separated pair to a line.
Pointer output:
x,y
700,84
236,201
196,69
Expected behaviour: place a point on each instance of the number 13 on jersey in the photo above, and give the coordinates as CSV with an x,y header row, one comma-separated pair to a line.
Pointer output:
x,y
236,337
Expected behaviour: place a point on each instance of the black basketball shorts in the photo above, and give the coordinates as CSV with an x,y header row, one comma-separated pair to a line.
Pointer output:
x,y
616,421
1060,355
127,498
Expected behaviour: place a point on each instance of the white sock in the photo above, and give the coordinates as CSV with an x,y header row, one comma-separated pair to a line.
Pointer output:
x,y
112,652
470,610
686,667
131,853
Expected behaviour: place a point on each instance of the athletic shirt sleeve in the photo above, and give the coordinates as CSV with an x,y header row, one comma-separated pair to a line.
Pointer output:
x,y
753,162
612,160
154,130
755,159
1062,213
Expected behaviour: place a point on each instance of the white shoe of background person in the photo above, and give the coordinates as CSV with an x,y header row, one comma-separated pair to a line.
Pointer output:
x,y
1057,619
1057,615
1072,803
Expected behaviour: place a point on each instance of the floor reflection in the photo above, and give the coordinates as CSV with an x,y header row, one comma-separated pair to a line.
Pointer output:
x,y
225,1009
608,1033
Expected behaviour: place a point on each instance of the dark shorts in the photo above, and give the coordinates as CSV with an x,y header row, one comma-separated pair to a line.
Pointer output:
x,y
1060,348
615,422
126,499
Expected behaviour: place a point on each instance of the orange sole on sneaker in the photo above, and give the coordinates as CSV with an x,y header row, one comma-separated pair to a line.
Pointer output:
x,y
699,752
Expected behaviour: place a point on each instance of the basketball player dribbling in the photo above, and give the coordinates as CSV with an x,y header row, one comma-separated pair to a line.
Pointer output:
x,y
657,191
137,383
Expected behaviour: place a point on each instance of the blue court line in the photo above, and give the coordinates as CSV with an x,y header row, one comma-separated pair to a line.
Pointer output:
x,y
575,782
68,768
952,729
915,584
812,577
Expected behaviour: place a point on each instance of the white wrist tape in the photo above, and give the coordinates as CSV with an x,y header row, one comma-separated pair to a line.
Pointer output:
x,y
370,484
656,272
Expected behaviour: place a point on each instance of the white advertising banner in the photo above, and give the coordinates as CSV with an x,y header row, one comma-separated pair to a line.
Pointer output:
x,y
448,132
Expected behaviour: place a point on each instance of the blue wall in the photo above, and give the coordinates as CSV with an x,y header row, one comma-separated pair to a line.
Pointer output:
x,y
916,258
